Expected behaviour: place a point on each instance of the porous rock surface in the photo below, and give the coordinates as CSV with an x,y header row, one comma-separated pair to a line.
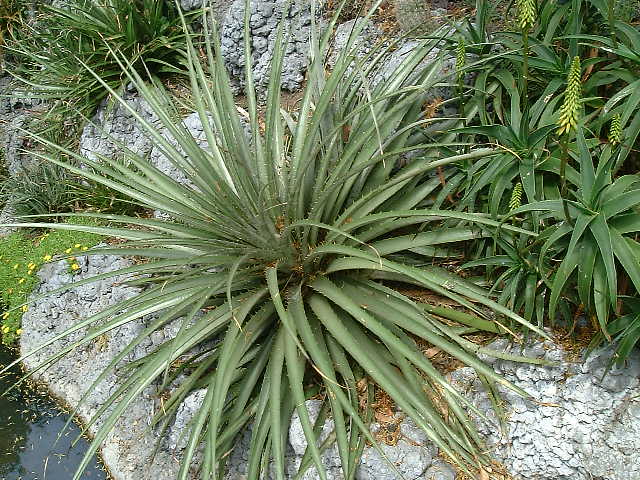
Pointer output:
x,y
16,111
412,455
266,16
582,425
114,126
370,36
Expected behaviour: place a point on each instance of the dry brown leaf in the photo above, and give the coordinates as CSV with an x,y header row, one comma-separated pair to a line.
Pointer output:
x,y
432,352
384,417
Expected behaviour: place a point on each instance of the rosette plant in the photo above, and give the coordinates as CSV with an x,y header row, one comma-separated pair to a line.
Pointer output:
x,y
284,259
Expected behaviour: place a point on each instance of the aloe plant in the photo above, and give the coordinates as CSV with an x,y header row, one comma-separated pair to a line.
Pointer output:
x,y
599,236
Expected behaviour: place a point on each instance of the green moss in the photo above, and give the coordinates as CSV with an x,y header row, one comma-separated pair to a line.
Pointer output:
x,y
21,255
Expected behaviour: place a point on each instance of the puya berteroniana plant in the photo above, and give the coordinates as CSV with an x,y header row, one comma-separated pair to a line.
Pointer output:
x,y
285,258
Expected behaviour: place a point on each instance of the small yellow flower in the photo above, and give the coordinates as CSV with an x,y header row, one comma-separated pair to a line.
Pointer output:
x,y
20,281
68,250
24,308
46,258
30,272
5,330
77,245
31,266
84,249
19,331
75,266
5,315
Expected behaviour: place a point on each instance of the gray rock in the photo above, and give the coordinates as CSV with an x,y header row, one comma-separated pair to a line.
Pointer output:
x,y
581,426
158,159
420,17
369,36
440,470
113,126
188,5
265,18
17,110
412,454
179,431
362,44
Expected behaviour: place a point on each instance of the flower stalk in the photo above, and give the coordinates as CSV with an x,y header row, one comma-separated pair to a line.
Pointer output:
x,y
567,122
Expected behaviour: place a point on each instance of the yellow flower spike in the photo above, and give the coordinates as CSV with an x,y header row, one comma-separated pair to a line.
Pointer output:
x,y
31,266
75,267
5,330
570,110
30,272
5,315
615,131
526,13
84,249
68,250
20,281
461,57
19,331
24,308
77,245
516,197
46,258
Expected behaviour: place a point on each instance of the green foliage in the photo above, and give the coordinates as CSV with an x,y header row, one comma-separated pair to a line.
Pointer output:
x,y
11,18
579,73
88,33
598,240
288,259
21,256
48,189
625,330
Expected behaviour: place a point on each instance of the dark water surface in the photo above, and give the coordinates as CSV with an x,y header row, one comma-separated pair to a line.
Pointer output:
x,y
29,427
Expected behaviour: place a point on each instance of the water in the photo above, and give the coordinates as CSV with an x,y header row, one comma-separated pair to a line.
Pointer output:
x,y
29,428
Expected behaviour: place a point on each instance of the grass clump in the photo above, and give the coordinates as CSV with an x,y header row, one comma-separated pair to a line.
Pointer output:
x,y
21,256
60,47
12,13
48,189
